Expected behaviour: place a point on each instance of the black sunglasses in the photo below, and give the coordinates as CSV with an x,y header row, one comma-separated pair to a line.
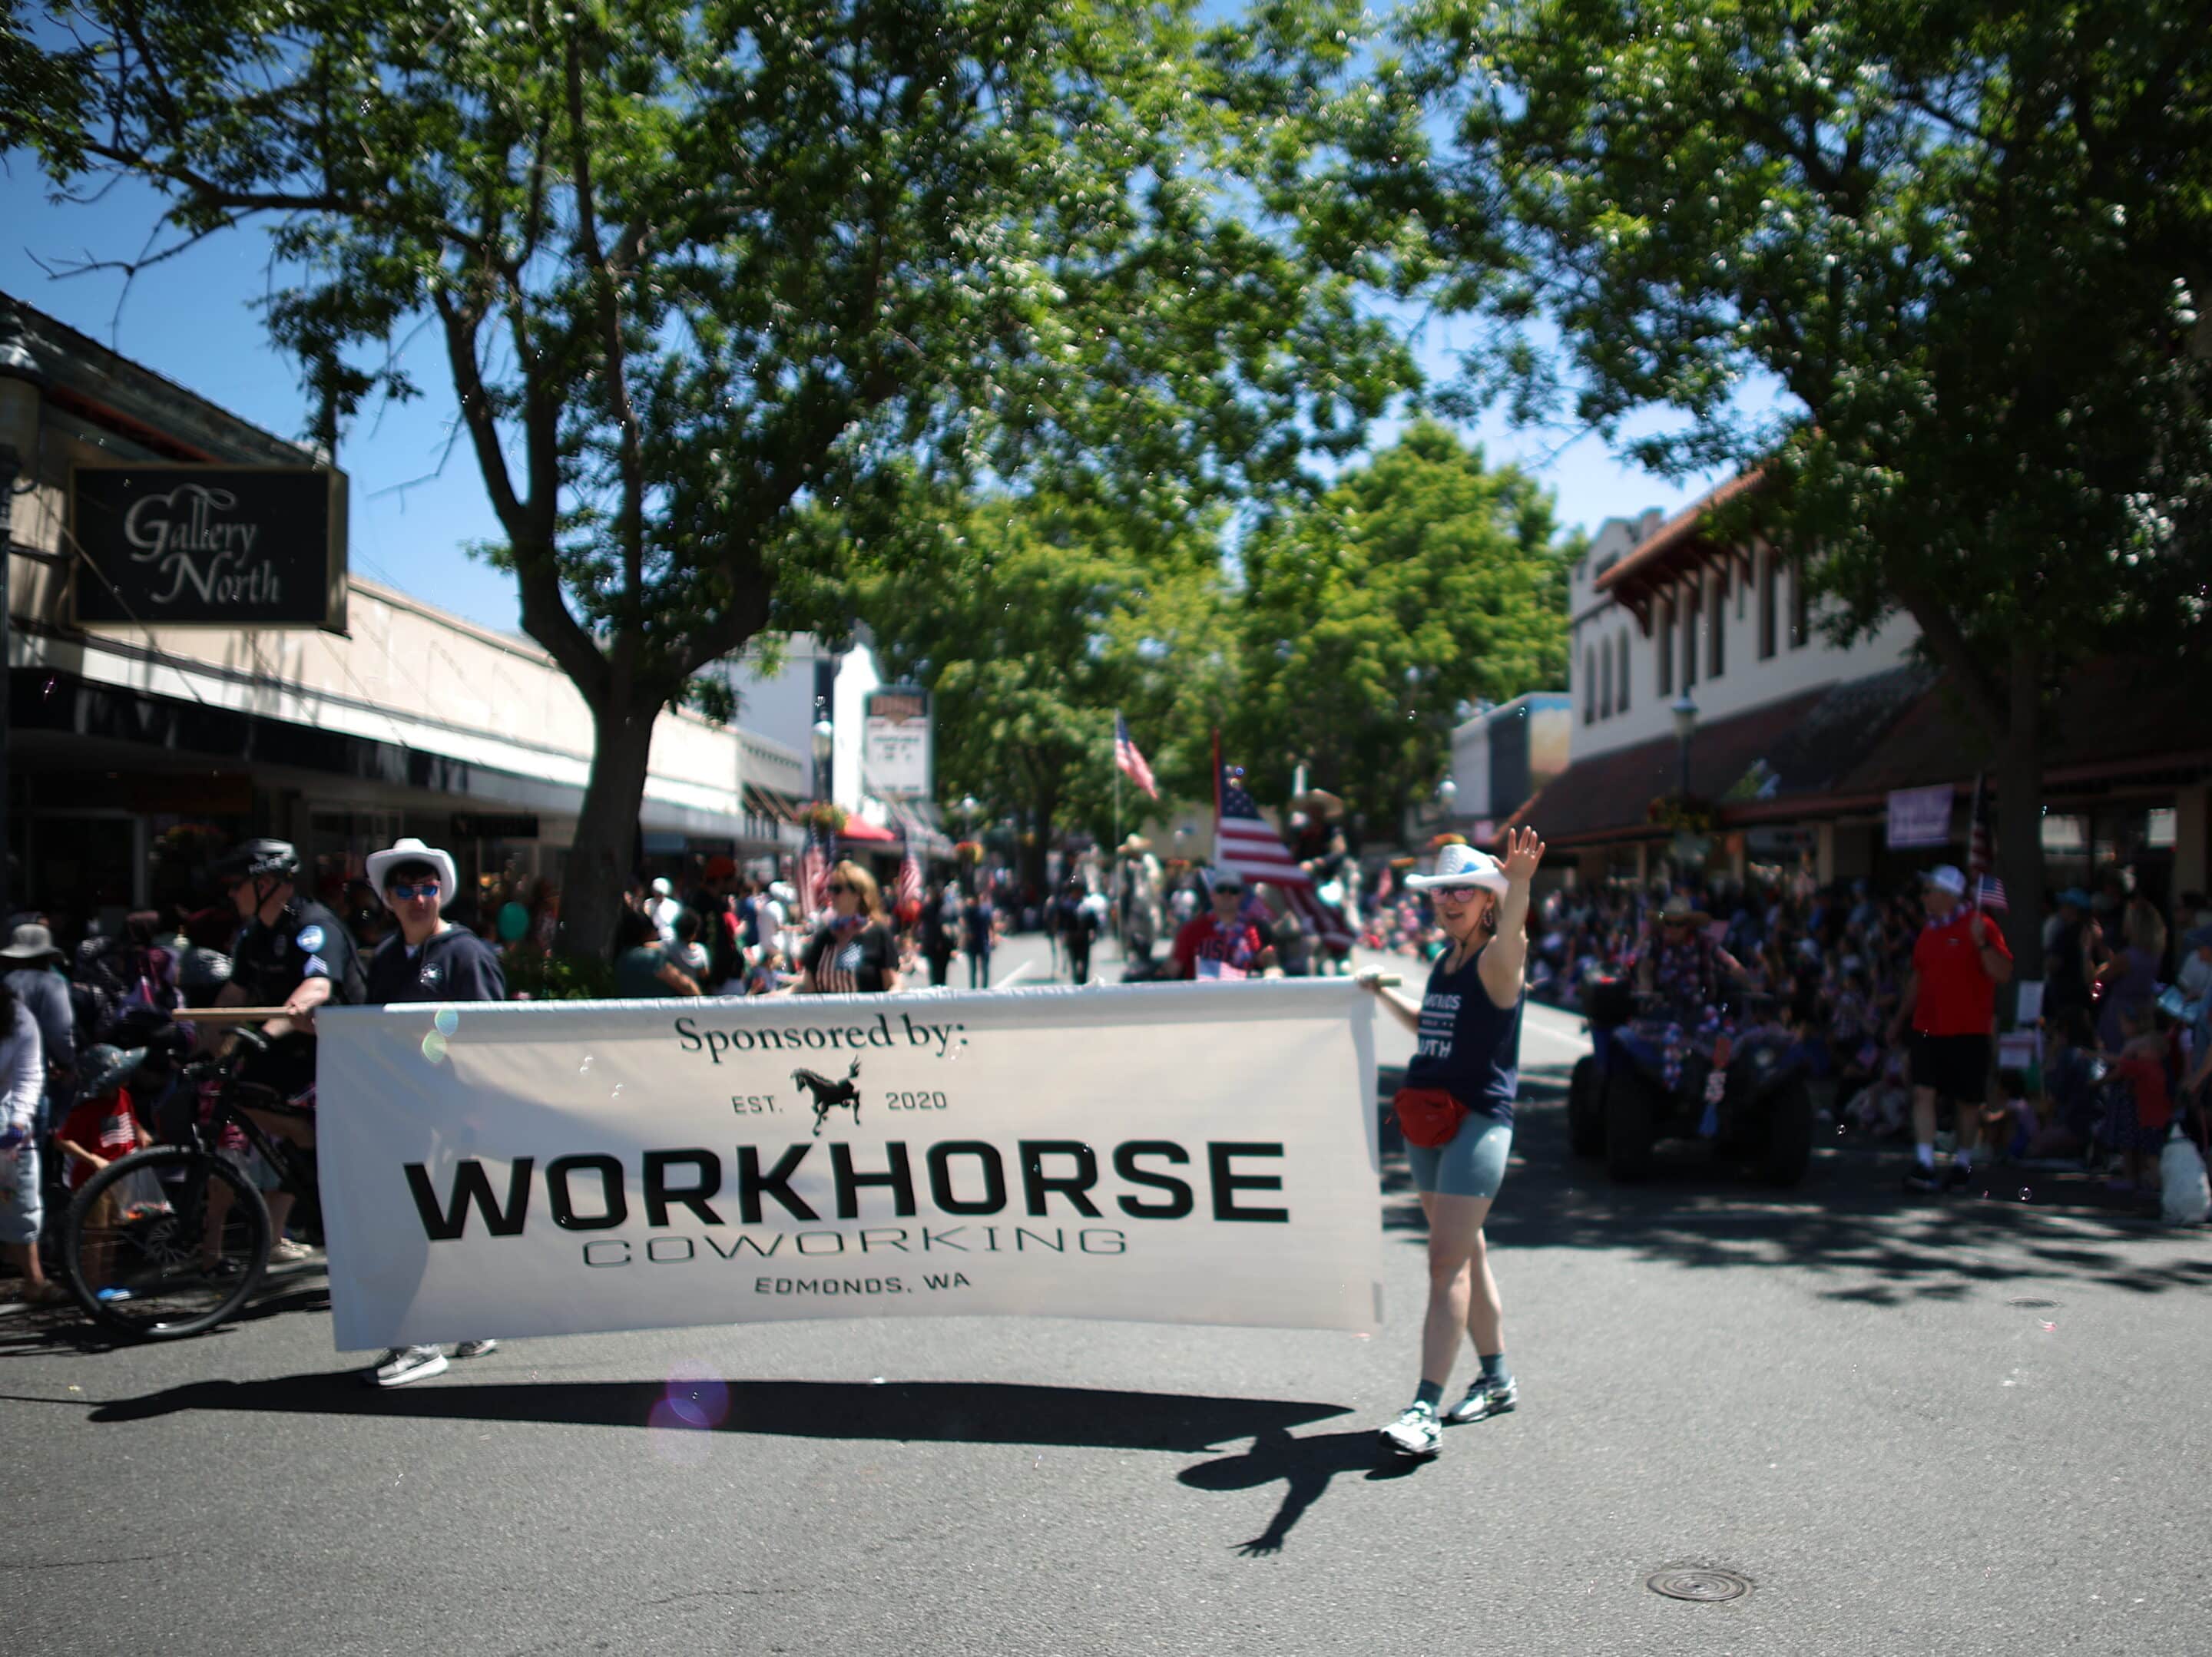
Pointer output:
x,y
837,886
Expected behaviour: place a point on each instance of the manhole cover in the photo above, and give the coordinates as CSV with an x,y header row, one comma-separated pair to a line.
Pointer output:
x,y
1698,1582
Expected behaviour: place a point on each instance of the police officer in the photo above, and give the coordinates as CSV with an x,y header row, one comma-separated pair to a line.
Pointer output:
x,y
290,952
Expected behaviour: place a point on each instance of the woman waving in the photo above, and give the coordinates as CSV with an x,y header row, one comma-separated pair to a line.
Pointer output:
x,y
1456,1112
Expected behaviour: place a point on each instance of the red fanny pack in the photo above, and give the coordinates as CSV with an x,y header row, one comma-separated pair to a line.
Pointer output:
x,y
1428,1117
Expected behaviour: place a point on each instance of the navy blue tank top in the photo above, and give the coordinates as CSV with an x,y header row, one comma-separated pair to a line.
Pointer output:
x,y
1467,1044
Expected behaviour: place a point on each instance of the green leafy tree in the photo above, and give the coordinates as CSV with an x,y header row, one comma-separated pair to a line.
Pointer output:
x,y
1968,245
713,280
1422,581
1031,621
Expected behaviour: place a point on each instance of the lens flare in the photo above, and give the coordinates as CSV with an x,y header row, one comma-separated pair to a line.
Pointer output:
x,y
434,1046
448,1021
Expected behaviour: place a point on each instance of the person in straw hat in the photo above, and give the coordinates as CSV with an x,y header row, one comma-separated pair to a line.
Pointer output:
x,y
1689,972
1456,1113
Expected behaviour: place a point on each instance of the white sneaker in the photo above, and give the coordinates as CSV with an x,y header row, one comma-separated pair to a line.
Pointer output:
x,y
285,1251
404,1363
475,1348
1414,1433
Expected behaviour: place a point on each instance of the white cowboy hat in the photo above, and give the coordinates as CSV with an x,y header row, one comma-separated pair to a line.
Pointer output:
x,y
411,850
1462,865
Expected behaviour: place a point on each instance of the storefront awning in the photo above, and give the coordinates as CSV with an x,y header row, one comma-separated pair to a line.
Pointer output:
x,y
1840,750
765,802
861,829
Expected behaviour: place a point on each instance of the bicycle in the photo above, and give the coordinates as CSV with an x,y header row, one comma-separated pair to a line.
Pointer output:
x,y
170,1241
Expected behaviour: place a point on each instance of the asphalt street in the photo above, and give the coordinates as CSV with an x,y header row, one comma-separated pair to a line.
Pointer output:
x,y
1972,1426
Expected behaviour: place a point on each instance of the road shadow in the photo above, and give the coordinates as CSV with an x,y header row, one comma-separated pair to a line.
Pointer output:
x,y
1848,1229
1304,1465
952,1413
37,1331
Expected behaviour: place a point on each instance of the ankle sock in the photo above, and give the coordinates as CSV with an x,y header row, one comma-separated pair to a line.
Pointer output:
x,y
1494,1370
1963,1161
1430,1392
1926,1154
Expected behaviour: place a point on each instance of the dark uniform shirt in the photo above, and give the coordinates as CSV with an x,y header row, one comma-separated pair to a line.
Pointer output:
x,y
271,960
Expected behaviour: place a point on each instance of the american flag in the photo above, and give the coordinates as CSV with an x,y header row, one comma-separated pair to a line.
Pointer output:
x,y
1244,843
1989,891
909,879
814,873
1126,756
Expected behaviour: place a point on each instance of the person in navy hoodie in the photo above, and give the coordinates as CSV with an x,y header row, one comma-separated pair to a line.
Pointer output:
x,y
427,959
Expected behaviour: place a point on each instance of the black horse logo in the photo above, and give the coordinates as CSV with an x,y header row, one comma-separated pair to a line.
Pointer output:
x,y
829,1094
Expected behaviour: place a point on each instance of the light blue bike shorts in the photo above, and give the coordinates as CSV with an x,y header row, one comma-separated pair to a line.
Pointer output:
x,y
1472,1163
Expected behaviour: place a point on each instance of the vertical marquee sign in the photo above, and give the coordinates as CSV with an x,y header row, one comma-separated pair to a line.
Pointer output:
x,y
209,546
896,746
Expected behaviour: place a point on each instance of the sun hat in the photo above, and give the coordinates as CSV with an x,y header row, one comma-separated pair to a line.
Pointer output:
x,y
411,850
1223,880
1462,864
105,1068
1946,877
662,888
32,943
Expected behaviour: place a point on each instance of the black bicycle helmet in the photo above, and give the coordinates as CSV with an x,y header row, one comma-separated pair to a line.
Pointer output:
x,y
251,860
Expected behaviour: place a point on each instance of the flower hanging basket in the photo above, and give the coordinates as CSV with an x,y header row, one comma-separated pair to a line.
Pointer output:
x,y
826,817
967,851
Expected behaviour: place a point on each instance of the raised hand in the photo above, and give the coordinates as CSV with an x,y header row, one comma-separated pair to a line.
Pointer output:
x,y
1523,851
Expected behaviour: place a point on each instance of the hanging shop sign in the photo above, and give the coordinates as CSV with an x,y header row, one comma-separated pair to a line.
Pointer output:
x,y
895,752
1920,816
209,546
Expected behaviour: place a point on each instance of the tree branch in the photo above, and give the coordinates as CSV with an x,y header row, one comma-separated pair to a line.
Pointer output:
x,y
1949,645
632,527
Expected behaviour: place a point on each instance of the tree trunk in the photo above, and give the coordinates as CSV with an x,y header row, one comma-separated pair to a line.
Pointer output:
x,y
603,859
2019,817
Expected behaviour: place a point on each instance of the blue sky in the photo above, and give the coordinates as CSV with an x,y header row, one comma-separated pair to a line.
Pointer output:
x,y
191,319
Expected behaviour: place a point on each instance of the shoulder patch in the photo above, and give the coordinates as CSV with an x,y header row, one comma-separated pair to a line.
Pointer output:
x,y
310,938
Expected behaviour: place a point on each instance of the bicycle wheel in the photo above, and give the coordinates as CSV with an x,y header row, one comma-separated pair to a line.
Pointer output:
x,y
166,1243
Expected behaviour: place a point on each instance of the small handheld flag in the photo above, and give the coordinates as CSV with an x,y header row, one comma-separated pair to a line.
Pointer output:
x,y
1129,760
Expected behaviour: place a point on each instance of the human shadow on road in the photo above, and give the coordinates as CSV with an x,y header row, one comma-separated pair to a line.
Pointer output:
x,y
1847,1229
1305,1465
958,1412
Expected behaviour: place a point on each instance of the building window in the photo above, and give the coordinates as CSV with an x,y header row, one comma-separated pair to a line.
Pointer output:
x,y
1605,678
1769,578
1800,608
1589,686
1742,597
1717,634
1623,680
1692,595
1663,647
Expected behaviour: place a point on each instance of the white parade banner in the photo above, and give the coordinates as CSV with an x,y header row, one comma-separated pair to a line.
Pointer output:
x,y
1185,1153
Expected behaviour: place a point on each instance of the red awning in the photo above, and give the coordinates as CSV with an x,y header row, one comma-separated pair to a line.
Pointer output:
x,y
861,829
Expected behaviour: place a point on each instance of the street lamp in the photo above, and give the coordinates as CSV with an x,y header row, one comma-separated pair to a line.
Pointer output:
x,y
1685,722
825,742
22,391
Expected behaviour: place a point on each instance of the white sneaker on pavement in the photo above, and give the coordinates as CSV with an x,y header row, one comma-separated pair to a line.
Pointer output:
x,y
404,1363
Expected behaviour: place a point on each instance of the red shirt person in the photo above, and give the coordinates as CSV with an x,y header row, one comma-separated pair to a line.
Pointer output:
x,y
1951,997
1224,944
